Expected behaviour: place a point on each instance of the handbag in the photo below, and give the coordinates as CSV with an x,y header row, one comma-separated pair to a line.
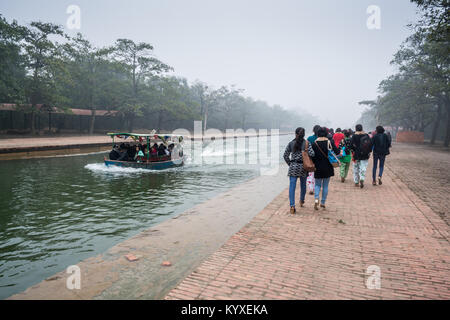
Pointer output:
x,y
308,164
331,156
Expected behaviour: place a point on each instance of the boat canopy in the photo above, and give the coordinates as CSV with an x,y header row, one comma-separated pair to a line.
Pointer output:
x,y
151,136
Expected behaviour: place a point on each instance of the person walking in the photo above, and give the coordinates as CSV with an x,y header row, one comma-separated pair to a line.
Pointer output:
x,y
310,183
330,133
294,159
324,169
313,137
389,137
345,145
381,144
362,147
338,136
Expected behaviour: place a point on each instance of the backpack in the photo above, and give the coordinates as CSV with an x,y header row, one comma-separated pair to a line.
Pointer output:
x,y
365,144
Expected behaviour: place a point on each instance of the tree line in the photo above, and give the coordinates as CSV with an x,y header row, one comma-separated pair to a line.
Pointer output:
x,y
40,64
417,95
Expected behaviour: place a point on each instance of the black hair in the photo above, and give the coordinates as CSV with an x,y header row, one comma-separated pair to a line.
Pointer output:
x,y
346,133
316,128
299,137
322,132
359,127
380,129
338,130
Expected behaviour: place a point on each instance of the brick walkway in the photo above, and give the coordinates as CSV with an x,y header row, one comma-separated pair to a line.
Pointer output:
x,y
325,254
426,171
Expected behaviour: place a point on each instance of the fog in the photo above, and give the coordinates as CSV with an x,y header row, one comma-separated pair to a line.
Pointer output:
x,y
317,56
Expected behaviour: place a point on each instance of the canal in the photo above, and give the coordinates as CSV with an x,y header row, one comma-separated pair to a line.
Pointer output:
x,y
57,211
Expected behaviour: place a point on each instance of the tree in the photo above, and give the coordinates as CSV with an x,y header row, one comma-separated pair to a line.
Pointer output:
x,y
435,20
40,51
430,47
169,99
36,70
139,65
428,61
200,91
12,62
89,71
230,100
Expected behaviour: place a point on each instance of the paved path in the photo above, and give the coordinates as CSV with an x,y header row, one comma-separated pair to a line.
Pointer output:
x,y
10,145
426,171
325,254
52,141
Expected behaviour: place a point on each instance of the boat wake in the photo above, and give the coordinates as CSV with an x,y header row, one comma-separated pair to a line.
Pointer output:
x,y
116,170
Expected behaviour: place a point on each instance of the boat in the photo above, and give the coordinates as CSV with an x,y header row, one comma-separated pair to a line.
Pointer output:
x,y
176,158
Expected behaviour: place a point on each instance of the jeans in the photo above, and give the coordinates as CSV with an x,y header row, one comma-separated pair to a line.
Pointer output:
x,y
359,170
376,158
292,185
321,183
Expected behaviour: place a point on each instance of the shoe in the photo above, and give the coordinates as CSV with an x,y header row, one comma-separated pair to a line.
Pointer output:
x,y
379,181
322,206
361,184
342,180
292,210
311,192
357,184
374,183
302,203
316,204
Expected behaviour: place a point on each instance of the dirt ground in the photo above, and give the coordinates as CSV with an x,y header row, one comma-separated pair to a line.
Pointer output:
x,y
426,171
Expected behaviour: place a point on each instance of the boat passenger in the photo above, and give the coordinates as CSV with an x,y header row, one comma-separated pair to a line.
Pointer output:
x,y
131,150
135,158
139,155
123,153
170,149
154,150
161,150
115,153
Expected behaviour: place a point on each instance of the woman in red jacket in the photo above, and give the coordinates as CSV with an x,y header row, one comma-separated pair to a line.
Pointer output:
x,y
338,136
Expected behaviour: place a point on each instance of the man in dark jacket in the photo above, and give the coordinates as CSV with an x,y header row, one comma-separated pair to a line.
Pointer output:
x,y
115,153
361,147
381,144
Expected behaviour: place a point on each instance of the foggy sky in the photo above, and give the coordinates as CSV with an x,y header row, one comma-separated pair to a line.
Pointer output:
x,y
317,56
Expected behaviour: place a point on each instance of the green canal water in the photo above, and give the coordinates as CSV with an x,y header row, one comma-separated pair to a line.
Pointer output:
x,y
55,212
